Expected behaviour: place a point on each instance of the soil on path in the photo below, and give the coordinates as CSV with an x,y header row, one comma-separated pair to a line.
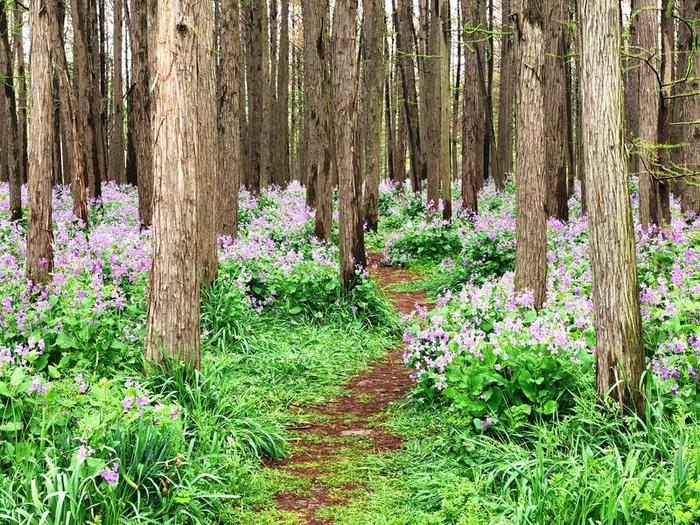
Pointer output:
x,y
347,424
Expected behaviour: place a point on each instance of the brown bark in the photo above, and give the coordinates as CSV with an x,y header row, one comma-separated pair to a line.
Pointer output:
x,y
531,229
260,99
649,100
96,88
317,136
631,79
74,156
555,117
140,107
10,158
620,361
373,85
282,150
688,114
40,228
473,111
506,99
405,51
434,102
116,156
352,246
183,158
21,90
668,43
229,150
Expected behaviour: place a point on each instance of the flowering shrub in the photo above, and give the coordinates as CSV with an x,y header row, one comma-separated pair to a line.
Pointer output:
x,y
429,239
496,360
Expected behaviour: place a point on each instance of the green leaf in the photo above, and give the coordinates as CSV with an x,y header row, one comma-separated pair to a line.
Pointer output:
x,y
11,426
17,377
53,372
550,407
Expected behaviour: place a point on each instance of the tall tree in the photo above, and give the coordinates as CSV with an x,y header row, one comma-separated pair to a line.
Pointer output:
x,y
352,245
260,96
506,99
10,141
438,154
140,108
229,150
40,227
183,157
21,89
282,150
405,51
116,157
555,117
649,100
473,109
374,90
620,361
531,229
73,153
317,133
688,114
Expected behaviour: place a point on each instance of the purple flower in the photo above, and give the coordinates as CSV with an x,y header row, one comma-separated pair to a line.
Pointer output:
x,y
111,476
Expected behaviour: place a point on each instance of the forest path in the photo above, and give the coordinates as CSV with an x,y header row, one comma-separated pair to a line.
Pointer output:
x,y
342,431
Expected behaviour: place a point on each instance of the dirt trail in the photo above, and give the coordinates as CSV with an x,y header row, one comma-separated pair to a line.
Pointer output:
x,y
349,423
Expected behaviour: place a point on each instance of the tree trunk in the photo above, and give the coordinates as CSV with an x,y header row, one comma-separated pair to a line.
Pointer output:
x,y
434,73
473,112
229,150
404,55
375,12
317,137
688,121
668,49
352,245
40,227
282,167
140,107
506,99
631,79
96,109
531,229
649,99
620,360
21,90
11,155
445,106
116,157
183,158
555,117
259,93
69,127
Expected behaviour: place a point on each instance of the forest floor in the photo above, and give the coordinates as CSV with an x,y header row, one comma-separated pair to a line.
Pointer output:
x,y
323,470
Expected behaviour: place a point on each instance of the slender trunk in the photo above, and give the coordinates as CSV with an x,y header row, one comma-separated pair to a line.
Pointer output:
x,y
531,229
10,146
352,246
259,92
649,99
282,168
506,99
620,362
21,90
434,103
556,202
688,121
473,111
374,82
668,44
229,149
116,157
40,227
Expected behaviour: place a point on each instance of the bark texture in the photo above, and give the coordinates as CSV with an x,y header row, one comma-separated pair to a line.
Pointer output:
x,y
619,346
183,156
506,99
116,156
374,90
140,108
555,116
531,229
40,227
352,245
229,150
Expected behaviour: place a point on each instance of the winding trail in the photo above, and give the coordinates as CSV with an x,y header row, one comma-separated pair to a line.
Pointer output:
x,y
348,425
